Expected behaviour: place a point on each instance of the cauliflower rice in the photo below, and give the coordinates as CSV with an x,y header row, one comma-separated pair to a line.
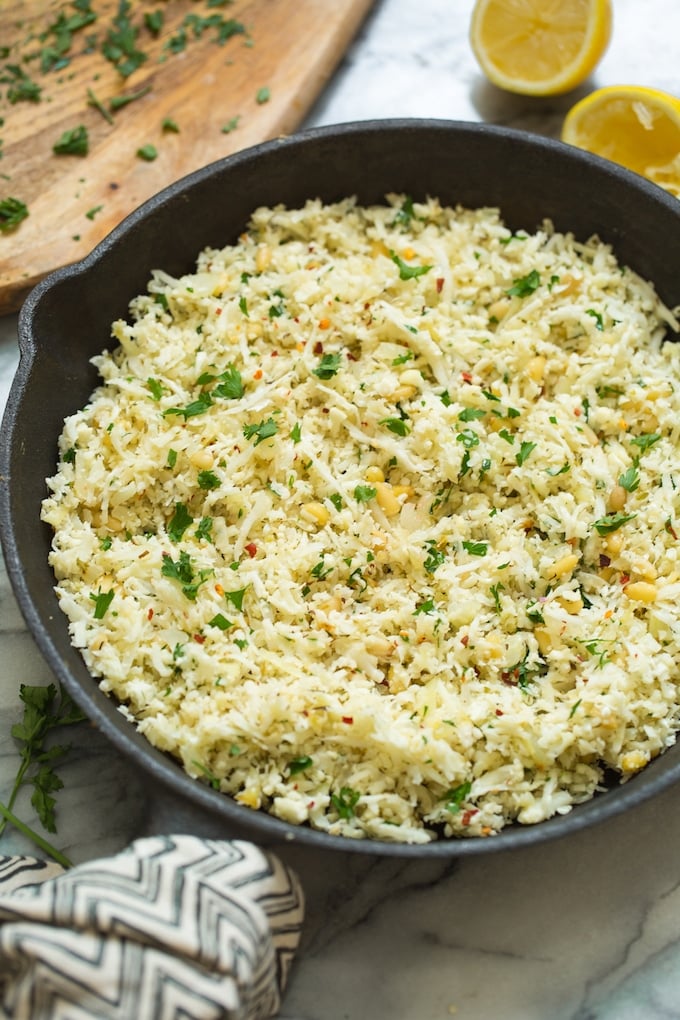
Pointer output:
x,y
373,521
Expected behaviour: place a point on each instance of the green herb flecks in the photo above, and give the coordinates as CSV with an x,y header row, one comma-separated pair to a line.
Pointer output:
x,y
208,480
73,142
396,425
21,87
404,213
435,556
102,600
147,152
236,597
345,802
455,797
471,414
260,431
525,285
179,522
120,44
525,451
646,440
406,271
204,529
476,548
12,212
118,102
301,764
328,366
630,479
612,522
182,570
220,622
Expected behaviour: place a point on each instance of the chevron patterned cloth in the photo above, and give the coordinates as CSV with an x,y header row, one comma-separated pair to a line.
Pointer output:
x,y
172,928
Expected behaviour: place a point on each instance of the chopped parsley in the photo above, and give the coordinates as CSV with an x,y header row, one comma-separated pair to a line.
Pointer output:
x,y
102,600
364,493
454,798
299,764
525,451
471,413
73,142
179,522
345,802
407,272
12,212
525,285
264,429
612,522
208,480
236,597
21,87
646,440
204,529
396,425
435,557
147,152
328,366
182,570
476,548
220,621
263,95
630,479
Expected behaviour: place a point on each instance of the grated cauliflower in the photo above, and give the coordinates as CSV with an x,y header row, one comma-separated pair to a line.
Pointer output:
x,y
373,520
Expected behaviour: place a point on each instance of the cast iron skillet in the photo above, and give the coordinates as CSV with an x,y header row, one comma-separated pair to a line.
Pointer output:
x,y
66,320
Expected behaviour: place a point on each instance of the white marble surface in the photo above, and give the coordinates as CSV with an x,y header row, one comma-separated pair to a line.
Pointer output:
x,y
585,928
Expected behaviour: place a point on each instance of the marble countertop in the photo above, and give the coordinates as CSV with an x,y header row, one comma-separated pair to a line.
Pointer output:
x,y
584,928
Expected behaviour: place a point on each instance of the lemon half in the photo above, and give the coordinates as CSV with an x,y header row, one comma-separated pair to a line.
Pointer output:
x,y
540,47
632,125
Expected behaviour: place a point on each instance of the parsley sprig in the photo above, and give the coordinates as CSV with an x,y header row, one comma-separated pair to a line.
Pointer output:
x,y
45,710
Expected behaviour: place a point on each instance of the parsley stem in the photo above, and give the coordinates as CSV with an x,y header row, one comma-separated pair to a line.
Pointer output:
x,y
35,837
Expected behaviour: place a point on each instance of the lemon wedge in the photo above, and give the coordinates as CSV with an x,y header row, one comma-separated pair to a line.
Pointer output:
x,y
539,47
632,125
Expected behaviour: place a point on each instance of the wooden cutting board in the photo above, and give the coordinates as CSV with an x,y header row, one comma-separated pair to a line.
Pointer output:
x,y
199,99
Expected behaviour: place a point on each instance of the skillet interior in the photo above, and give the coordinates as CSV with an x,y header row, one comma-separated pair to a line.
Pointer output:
x,y
66,320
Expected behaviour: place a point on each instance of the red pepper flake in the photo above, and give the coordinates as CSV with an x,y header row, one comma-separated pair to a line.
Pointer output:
x,y
577,412
468,815
311,804
351,357
670,530
465,640
149,614
218,311
199,638
318,347
348,719
257,374
499,711
325,410
466,376
251,549
275,354
440,284
625,578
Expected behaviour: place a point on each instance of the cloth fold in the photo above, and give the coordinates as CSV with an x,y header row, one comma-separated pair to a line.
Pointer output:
x,y
173,926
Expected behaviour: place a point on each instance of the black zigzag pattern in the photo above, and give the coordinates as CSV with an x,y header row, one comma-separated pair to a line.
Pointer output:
x,y
16,872
175,926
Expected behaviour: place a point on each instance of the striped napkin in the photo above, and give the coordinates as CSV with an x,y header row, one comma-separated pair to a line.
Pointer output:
x,y
174,926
